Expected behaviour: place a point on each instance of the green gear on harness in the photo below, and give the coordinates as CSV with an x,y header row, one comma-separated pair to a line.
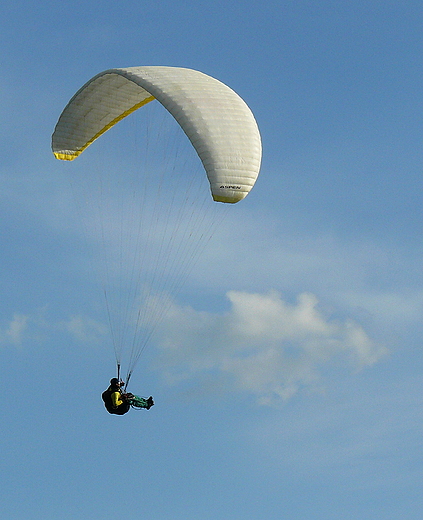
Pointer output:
x,y
138,402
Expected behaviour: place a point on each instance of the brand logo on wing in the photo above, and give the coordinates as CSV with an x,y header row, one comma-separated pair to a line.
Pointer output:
x,y
229,187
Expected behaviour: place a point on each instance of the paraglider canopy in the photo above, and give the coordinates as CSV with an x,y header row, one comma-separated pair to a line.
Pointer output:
x,y
217,121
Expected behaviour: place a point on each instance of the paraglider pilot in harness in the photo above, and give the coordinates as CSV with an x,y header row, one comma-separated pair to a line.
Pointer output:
x,y
119,403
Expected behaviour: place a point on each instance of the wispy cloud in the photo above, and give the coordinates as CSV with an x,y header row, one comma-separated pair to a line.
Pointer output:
x,y
23,330
263,345
86,330
15,330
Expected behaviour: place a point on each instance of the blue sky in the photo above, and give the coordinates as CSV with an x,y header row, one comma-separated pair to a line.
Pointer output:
x,y
287,376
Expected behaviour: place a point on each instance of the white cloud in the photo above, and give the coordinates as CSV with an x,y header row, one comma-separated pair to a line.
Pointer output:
x,y
26,329
263,345
16,329
86,330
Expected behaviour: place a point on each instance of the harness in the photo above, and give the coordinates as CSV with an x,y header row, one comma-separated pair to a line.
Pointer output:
x,y
107,398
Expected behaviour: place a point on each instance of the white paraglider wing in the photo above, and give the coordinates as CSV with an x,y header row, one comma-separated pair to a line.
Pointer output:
x,y
217,121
